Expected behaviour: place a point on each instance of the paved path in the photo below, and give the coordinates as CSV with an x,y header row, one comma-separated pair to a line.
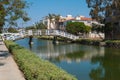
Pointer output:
x,y
8,68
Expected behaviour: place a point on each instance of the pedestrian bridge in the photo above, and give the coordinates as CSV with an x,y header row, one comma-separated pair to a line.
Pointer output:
x,y
57,33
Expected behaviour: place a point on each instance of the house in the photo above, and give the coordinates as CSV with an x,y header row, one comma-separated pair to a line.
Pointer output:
x,y
69,18
50,25
85,20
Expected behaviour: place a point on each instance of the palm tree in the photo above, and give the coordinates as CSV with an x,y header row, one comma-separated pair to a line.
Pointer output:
x,y
50,18
56,18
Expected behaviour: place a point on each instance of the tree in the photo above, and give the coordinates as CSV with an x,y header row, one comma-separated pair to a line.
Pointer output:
x,y
2,16
97,28
56,18
77,27
30,28
53,19
50,18
99,8
107,11
40,25
11,11
12,30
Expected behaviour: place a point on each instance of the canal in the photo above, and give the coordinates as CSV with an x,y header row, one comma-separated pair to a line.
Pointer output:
x,y
84,62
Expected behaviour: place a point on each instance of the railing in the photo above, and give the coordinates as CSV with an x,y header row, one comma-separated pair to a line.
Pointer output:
x,y
58,33
53,33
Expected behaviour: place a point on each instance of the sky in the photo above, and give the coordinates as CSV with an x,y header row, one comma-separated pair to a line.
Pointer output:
x,y
41,8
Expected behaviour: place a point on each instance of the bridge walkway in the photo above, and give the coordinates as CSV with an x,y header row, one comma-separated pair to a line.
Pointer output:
x,y
57,33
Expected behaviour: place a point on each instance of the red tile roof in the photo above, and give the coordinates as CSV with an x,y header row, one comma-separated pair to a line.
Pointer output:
x,y
86,19
66,20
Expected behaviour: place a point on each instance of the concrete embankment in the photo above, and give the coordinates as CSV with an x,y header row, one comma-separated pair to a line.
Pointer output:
x,y
8,68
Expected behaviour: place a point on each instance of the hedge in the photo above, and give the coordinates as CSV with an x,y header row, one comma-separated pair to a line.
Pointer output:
x,y
89,42
51,38
35,68
113,43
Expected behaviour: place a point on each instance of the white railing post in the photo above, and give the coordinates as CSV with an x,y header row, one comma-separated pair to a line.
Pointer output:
x,y
39,31
45,32
30,32
48,32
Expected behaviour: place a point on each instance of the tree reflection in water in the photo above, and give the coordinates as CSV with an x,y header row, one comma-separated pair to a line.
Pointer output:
x,y
109,68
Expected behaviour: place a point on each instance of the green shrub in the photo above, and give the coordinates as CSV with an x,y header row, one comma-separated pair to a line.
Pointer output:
x,y
35,68
88,41
113,43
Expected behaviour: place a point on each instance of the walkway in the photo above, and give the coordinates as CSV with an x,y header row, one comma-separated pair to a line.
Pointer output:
x,y
8,68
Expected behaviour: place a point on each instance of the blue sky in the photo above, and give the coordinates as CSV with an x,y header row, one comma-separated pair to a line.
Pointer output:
x,y
41,8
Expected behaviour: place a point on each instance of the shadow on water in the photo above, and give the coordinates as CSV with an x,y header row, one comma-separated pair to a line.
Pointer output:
x,y
30,46
109,68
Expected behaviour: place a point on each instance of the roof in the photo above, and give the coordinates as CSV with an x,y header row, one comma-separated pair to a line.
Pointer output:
x,y
63,20
86,19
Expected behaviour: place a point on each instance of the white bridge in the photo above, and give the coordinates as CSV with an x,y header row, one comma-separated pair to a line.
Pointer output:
x,y
57,33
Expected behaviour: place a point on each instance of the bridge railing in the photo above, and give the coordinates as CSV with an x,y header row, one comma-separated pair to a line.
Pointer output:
x,y
65,34
53,33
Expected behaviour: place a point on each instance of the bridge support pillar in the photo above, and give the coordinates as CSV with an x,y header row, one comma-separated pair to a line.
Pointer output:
x,y
30,39
54,39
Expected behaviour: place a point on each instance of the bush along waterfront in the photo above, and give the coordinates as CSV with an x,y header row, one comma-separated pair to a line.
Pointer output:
x,y
52,38
35,68
106,43
113,43
89,42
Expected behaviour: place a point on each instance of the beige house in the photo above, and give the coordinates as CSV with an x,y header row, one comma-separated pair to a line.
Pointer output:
x,y
87,21
51,25
69,18
63,21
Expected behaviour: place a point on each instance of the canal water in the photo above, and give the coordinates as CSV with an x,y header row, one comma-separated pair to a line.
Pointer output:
x,y
82,61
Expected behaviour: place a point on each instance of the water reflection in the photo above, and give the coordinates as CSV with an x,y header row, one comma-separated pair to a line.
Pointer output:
x,y
68,52
79,53
85,62
109,68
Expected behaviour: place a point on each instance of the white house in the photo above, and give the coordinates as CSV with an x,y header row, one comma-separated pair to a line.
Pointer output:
x,y
69,18
85,20
63,21
50,25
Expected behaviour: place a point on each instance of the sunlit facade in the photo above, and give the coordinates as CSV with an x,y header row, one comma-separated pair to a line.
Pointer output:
x,y
64,20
